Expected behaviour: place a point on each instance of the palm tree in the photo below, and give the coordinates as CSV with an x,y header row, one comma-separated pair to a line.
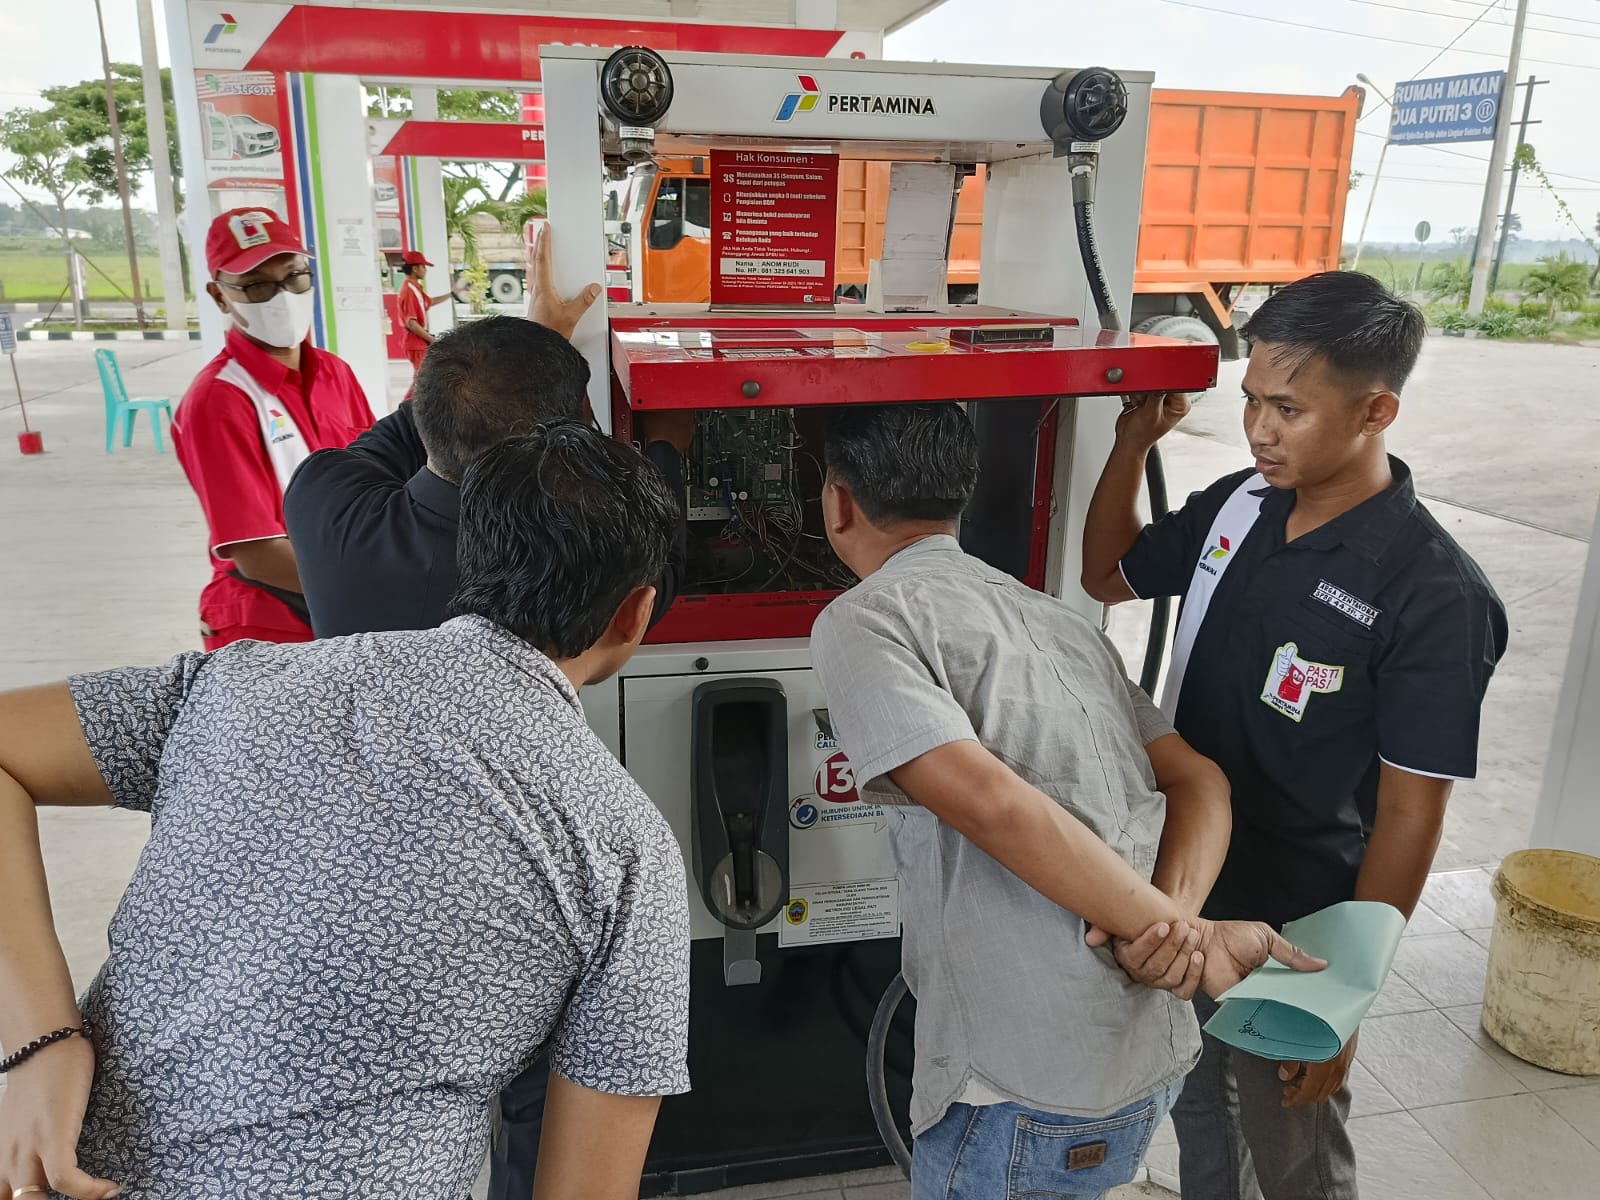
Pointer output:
x,y
1450,282
1563,281
514,214
460,208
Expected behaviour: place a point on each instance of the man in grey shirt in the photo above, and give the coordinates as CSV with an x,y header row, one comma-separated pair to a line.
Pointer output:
x,y
383,870
1025,778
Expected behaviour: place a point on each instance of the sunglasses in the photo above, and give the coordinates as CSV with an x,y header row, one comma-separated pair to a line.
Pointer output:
x,y
296,283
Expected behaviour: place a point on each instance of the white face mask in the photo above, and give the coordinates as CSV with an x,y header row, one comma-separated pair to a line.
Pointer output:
x,y
282,321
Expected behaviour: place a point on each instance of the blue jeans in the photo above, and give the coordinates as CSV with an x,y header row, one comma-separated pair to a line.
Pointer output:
x,y
1008,1152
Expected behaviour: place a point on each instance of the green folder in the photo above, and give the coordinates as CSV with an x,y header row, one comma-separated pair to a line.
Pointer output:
x,y
1307,1016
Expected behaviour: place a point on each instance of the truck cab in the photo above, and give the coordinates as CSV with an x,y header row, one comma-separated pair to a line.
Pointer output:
x,y
667,231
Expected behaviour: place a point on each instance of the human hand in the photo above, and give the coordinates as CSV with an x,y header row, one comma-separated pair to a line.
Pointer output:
x,y
1165,957
674,427
1147,417
1306,1084
545,305
41,1115
1233,949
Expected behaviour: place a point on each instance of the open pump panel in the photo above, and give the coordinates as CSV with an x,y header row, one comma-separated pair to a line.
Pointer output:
x,y
761,376
793,896
761,385
761,366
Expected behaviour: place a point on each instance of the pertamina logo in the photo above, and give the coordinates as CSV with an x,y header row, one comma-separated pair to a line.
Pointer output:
x,y
802,101
226,27
1215,553
810,96
278,429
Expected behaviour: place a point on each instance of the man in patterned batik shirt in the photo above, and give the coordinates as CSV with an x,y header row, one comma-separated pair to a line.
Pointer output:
x,y
383,870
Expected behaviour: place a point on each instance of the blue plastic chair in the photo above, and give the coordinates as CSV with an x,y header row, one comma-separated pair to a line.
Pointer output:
x,y
121,410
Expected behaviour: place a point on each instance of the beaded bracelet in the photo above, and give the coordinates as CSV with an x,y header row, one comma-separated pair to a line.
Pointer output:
x,y
39,1043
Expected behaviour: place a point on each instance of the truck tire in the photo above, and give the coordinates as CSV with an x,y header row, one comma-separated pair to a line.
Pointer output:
x,y
505,288
1183,329
1149,324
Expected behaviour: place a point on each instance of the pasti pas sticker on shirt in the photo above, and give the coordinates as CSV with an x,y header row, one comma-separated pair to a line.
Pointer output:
x,y
1292,681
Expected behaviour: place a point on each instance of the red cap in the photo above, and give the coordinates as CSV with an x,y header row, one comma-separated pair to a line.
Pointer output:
x,y
241,239
413,258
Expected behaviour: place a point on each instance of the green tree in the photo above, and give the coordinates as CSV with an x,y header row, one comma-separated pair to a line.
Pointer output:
x,y
497,180
515,213
38,142
1562,281
83,109
463,200
1450,282
1595,274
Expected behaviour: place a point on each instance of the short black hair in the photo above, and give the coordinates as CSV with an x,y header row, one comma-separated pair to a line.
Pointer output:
x,y
1354,324
557,527
409,268
489,380
904,462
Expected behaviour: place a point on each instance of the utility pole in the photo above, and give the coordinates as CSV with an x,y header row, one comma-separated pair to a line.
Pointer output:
x,y
1511,191
155,117
122,167
1372,193
1497,164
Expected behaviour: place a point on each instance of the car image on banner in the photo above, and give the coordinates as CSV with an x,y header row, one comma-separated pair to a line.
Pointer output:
x,y
252,138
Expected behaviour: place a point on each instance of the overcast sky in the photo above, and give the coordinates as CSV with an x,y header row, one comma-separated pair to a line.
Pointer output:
x,y
1186,46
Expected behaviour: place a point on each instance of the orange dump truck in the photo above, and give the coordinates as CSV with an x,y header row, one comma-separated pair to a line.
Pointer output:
x,y
1239,189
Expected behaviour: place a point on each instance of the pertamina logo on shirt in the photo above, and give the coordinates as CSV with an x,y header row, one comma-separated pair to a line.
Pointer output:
x,y
1292,681
1216,552
278,427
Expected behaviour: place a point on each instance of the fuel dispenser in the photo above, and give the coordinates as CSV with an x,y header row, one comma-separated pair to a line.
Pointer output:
x,y
795,908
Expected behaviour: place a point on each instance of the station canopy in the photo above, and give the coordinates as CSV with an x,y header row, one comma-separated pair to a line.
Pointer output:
x,y
882,16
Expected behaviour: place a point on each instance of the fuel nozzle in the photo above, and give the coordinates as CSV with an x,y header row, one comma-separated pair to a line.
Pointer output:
x,y
1081,109
635,93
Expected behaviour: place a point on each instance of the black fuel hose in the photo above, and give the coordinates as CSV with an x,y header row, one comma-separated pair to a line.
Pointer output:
x,y
1155,477
1155,648
877,1084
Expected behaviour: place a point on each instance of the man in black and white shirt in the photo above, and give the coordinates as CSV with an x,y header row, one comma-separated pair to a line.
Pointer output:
x,y
383,871
1332,654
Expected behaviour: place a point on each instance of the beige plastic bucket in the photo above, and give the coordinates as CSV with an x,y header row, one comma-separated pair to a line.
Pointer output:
x,y
1542,1001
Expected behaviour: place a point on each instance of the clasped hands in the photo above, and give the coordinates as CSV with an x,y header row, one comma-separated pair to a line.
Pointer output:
x,y
1185,956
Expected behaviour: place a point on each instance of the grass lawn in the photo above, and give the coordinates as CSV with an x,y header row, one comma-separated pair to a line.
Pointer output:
x,y
35,270
1399,272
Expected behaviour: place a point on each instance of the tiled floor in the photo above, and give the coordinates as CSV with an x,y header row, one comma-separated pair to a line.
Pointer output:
x,y
1440,1112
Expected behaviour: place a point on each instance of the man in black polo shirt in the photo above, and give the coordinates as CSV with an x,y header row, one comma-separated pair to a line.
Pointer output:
x,y
374,525
374,529
1332,653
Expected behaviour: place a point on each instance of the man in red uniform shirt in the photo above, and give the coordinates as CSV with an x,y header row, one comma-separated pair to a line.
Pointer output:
x,y
257,410
414,305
